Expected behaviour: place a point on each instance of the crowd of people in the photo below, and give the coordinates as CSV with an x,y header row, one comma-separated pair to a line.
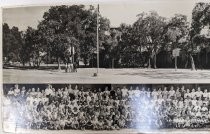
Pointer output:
x,y
107,109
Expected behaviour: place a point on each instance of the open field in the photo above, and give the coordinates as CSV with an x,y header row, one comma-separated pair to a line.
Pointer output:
x,y
125,76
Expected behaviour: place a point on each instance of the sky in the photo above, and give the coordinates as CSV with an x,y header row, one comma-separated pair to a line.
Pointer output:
x,y
116,12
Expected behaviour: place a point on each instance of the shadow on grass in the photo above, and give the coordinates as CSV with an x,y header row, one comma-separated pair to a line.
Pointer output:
x,y
50,67
169,75
33,68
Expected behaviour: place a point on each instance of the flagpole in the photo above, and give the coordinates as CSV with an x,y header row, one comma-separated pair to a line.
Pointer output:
x,y
97,40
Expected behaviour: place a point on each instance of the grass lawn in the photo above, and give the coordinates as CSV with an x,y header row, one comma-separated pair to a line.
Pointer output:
x,y
114,76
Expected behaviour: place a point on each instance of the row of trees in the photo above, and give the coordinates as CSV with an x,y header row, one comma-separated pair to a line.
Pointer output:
x,y
152,34
136,45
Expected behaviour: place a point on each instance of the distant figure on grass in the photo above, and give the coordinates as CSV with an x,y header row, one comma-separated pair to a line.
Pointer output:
x,y
70,55
70,66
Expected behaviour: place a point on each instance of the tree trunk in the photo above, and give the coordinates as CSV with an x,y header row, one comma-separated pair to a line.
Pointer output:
x,y
85,61
192,62
112,63
175,62
59,66
92,61
186,64
149,63
206,59
155,59
40,61
34,63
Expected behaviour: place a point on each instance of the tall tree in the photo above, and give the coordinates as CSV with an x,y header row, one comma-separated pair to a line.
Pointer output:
x,y
128,48
111,48
200,19
88,41
32,49
150,28
7,44
12,41
176,35
62,24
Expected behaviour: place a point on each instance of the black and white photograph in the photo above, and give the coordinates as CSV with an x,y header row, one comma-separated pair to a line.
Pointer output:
x,y
104,108
120,66
137,42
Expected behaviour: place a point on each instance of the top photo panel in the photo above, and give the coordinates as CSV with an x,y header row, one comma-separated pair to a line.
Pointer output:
x,y
145,42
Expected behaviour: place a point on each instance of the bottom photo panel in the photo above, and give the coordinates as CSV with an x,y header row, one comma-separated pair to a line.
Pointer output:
x,y
106,108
